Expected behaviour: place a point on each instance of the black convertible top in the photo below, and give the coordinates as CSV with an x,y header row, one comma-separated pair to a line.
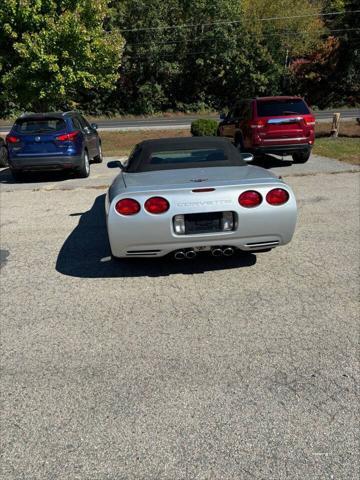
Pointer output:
x,y
201,152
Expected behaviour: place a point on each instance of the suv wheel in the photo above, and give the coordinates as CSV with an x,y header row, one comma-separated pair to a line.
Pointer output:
x,y
84,170
99,158
301,157
3,156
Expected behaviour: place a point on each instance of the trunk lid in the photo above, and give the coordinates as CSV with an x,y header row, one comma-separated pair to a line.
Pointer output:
x,y
39,144
196,178
284,128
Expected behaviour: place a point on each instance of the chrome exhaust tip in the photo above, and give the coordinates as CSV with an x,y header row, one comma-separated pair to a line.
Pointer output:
x,y
179,255
228,251
190,254
216,252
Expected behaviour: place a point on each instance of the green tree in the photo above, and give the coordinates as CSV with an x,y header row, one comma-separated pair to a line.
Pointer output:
x,y
346,81
150,66
330,76
189,55
53,53
286,28
185,55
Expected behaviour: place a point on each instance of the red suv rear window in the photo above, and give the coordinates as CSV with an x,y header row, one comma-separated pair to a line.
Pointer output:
x,y
276,108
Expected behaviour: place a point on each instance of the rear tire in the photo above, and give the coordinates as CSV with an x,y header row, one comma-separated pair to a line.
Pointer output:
x,y
84,170
17,175
3,156
239,142
99,158
301,157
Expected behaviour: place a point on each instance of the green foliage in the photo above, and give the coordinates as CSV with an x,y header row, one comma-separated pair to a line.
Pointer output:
x,y
330,76
204,127
208,62
285,27
147,56
53,53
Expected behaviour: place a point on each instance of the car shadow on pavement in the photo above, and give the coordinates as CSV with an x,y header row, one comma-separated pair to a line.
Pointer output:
x,y
35,177
86,254
269,161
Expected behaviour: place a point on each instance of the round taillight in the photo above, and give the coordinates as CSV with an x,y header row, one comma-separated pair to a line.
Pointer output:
x,y
12,139
250,199
157,205
278,196
127,206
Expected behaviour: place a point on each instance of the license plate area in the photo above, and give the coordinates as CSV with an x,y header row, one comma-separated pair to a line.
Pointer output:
x,y
210,222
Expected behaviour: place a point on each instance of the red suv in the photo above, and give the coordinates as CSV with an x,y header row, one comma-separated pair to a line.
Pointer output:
x,y
278,125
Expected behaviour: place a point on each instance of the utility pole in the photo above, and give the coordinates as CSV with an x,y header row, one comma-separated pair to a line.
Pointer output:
x,y
286,58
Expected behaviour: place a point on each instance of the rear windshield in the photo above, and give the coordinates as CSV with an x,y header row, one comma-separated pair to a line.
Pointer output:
x,y
41,125
275,108
183,158
187,157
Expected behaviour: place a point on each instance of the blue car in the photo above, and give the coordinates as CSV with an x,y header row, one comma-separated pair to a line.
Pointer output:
x,y
53,141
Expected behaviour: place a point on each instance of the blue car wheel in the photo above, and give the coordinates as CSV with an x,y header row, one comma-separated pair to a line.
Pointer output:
x,y
99,157
84,170
3,156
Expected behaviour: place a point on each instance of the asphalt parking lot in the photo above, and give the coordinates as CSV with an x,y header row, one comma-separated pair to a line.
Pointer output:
x,y
241,368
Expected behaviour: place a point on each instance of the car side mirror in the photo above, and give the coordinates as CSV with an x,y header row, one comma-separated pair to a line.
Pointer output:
x,y
247,157
223,116
94,126
115,164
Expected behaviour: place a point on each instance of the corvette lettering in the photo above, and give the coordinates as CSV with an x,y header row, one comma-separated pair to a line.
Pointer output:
x,y
204,203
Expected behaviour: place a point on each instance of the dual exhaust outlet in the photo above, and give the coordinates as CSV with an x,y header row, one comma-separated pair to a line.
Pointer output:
x,y
215,252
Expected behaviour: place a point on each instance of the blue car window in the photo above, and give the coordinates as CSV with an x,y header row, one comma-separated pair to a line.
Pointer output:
x,y
85,123
44,125
76,123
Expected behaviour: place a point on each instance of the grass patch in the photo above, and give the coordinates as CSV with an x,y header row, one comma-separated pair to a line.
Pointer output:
x,y
344,149
121,143
347,129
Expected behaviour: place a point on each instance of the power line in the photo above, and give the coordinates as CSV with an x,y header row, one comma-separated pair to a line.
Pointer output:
x,y
291,33
165,55
233,22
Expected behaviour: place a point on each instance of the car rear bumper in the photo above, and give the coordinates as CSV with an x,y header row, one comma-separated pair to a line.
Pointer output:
x,y
282,149
45,163
249,244
145,235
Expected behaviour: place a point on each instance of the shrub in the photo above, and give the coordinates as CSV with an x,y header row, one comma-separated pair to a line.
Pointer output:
x,y
204,127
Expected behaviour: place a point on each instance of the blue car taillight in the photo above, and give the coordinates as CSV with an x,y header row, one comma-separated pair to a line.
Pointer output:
x,y
68,137
12,139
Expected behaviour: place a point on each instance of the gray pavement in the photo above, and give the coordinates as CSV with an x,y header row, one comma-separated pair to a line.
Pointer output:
x,y
101,176
244,368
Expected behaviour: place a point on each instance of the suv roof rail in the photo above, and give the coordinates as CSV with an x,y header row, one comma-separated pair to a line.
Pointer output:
x,y
25,114
69,111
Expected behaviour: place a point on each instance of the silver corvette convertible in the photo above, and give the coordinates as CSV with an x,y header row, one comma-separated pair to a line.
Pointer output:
x,y
188,195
